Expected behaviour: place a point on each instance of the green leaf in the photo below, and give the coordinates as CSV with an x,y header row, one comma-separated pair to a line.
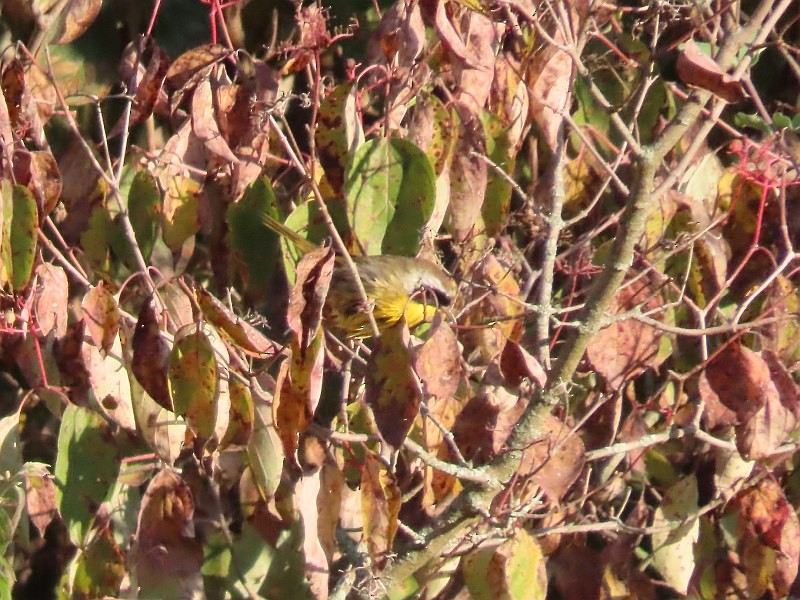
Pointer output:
x,y
753,122
512,570
265,452
20,223
145,208
226,567
307,219
674,537
180,212
87,464
497,201
414,203
254,255
286,577
781,121
390,191
194,379
95,240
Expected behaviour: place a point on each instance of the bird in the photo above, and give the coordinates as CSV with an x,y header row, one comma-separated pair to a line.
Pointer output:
x,y
395,286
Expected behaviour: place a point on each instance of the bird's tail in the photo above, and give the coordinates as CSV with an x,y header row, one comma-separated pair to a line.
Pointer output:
x,y
301,243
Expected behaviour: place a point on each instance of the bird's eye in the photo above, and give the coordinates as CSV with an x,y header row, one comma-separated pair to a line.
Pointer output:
x,y
434,295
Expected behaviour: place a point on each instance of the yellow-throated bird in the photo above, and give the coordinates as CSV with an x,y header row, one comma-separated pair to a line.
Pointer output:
x,y
395,285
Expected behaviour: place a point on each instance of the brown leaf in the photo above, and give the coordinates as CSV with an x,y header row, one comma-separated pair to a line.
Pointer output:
x,y
485,423
518,364
151,356
40,499
14,90
6,133
627,347
762,434
501,302
769,538
700,70
68,355
475,74
399,37
741,380
75,18
300,389
52,297
308,294
468,179
448,34
437,485
438,362
192,62
551,72
102,316
243,335
332,487
380,505
307,493
145,70
38,171
556,460
165,542
204,123
391,387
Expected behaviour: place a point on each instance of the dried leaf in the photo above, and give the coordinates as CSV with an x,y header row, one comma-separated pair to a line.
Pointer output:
x,y
74,19
299,393
166,546
52,296
517,364
307,493
40,499
144,69
769,539
151,356
698,69
102,316
308,294
38,171
380,505
204,123
391,387
468,181
627,347
243,335
438,363
556,461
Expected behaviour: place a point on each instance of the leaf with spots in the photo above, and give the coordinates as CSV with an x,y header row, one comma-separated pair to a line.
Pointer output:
x,y
391,386
390,194
338,132
195,378
102,316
